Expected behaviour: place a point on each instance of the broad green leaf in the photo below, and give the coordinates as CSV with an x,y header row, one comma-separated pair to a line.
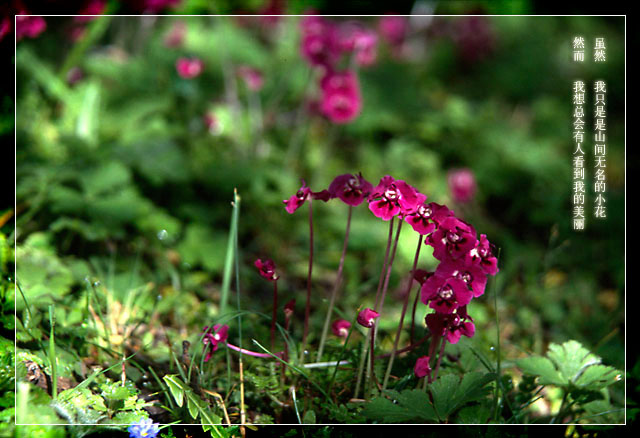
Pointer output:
x,y
598,376
571,358
175,387
542,367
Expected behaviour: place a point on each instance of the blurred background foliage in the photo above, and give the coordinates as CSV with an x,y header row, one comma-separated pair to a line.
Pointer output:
x,y
120,180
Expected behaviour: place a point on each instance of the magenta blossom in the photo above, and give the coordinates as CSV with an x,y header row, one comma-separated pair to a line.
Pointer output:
x,y
393,29
213,336
472,275
454,238
251,77
452,326
29,26
422,368
350,189
445,294
189,68
341,101
320,44
296,201
367,317
392,197
462,185
481,256
340,327
425,218
267,269
353,37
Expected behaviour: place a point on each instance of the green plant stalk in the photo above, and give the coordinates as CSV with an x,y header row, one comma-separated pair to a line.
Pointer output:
x,y
336,287
228,262
404,311
52,357
384,264
236,213
96,29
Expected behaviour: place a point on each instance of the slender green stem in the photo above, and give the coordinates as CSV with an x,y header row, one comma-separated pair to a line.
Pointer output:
x,y
336,287
413,313
363,359
236,212
404,311
52,356
498,362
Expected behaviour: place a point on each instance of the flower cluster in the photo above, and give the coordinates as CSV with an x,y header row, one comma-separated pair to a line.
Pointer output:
x,y
465,260
189,68
323,43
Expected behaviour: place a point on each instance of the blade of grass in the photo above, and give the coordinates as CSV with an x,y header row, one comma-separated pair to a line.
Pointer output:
x,y
52,356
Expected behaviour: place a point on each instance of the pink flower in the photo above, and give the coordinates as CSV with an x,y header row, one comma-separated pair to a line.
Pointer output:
x,y
353,37
452,325
474,37
453,238
351,189
93,7
267,269
29,26
462,184
445,294
214,336
252,77
367,317
189,68
392,197
5,27
393,29
319,45
481,256
296,201
175,37
422,368
341,101
340,327
472,275
426,217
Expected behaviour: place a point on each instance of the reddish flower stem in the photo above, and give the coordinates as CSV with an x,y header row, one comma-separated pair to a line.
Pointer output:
x,y
404,311
336,286
384,264
405,349
390,265
307,309
251,353
413,314
435,372
274,315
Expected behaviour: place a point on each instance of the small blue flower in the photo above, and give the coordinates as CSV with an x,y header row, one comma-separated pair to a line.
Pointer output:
x,y
145,428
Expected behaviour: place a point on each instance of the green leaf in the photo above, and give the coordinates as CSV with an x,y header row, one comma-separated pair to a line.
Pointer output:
x,y
411,405
175,387
571,358
309,417
542,367
451,393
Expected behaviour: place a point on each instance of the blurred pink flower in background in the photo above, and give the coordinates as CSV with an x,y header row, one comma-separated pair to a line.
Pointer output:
x,y
189,68
211,122
251,77
363,42
320,43
474,37
29,26
341,101
462,185
93,7
340,327
393,29
175,36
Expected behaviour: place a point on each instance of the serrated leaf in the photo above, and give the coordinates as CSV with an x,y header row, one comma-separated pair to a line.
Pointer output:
x,y
385,411
571,359
542,367
597,376
192,406
309,417
443,391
